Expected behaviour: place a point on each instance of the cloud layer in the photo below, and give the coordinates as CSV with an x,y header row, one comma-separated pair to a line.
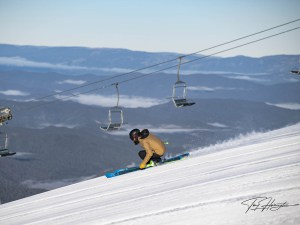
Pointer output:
x,y
163,129
210,89
14,93
23,62
287,105
111,100
75,82
247,78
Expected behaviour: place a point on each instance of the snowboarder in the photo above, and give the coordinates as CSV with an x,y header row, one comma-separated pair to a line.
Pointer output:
x,y
153,147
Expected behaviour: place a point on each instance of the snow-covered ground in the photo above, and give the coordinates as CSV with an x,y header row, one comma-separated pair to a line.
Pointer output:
x,y
217,187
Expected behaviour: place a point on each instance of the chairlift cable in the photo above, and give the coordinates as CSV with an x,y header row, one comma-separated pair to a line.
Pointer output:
x,y
203,57
241,38
167,61
167,68
242,45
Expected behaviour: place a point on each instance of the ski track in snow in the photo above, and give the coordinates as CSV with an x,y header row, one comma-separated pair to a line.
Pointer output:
x,y
206,189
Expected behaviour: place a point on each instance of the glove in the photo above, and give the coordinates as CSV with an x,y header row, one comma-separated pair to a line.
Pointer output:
x,y
142,166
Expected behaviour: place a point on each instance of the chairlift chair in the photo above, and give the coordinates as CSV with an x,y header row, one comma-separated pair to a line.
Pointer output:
x,y
115,119
5,114
115,116
180,91
4,147
296,70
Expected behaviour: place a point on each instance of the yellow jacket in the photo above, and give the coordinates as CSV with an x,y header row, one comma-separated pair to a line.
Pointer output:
x,y
152,144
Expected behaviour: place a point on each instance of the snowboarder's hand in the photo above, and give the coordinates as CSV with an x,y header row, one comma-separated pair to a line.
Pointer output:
x,y
142,166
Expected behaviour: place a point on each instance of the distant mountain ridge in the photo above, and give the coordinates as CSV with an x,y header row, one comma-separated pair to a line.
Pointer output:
x,y
101,61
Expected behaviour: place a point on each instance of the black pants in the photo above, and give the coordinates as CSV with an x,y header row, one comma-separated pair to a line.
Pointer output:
x,y
155,157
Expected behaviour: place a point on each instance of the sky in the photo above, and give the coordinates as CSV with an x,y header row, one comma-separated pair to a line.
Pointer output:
x,y
182,26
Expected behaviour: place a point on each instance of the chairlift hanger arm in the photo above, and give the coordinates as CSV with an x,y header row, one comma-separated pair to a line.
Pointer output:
x,y
178,69
118,93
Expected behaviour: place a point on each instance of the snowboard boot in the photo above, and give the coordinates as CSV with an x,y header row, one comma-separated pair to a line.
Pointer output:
x,y
150,163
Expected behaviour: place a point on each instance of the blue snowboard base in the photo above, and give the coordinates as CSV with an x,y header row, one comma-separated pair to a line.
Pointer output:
x,y
136,168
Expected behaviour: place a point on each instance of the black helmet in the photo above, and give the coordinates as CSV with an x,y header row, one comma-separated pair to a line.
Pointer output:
x,y
134,133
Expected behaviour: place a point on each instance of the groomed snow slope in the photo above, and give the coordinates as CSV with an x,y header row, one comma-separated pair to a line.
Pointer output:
x,y
204,189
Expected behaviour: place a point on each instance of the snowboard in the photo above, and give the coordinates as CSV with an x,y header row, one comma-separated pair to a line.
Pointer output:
x,y
136,168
